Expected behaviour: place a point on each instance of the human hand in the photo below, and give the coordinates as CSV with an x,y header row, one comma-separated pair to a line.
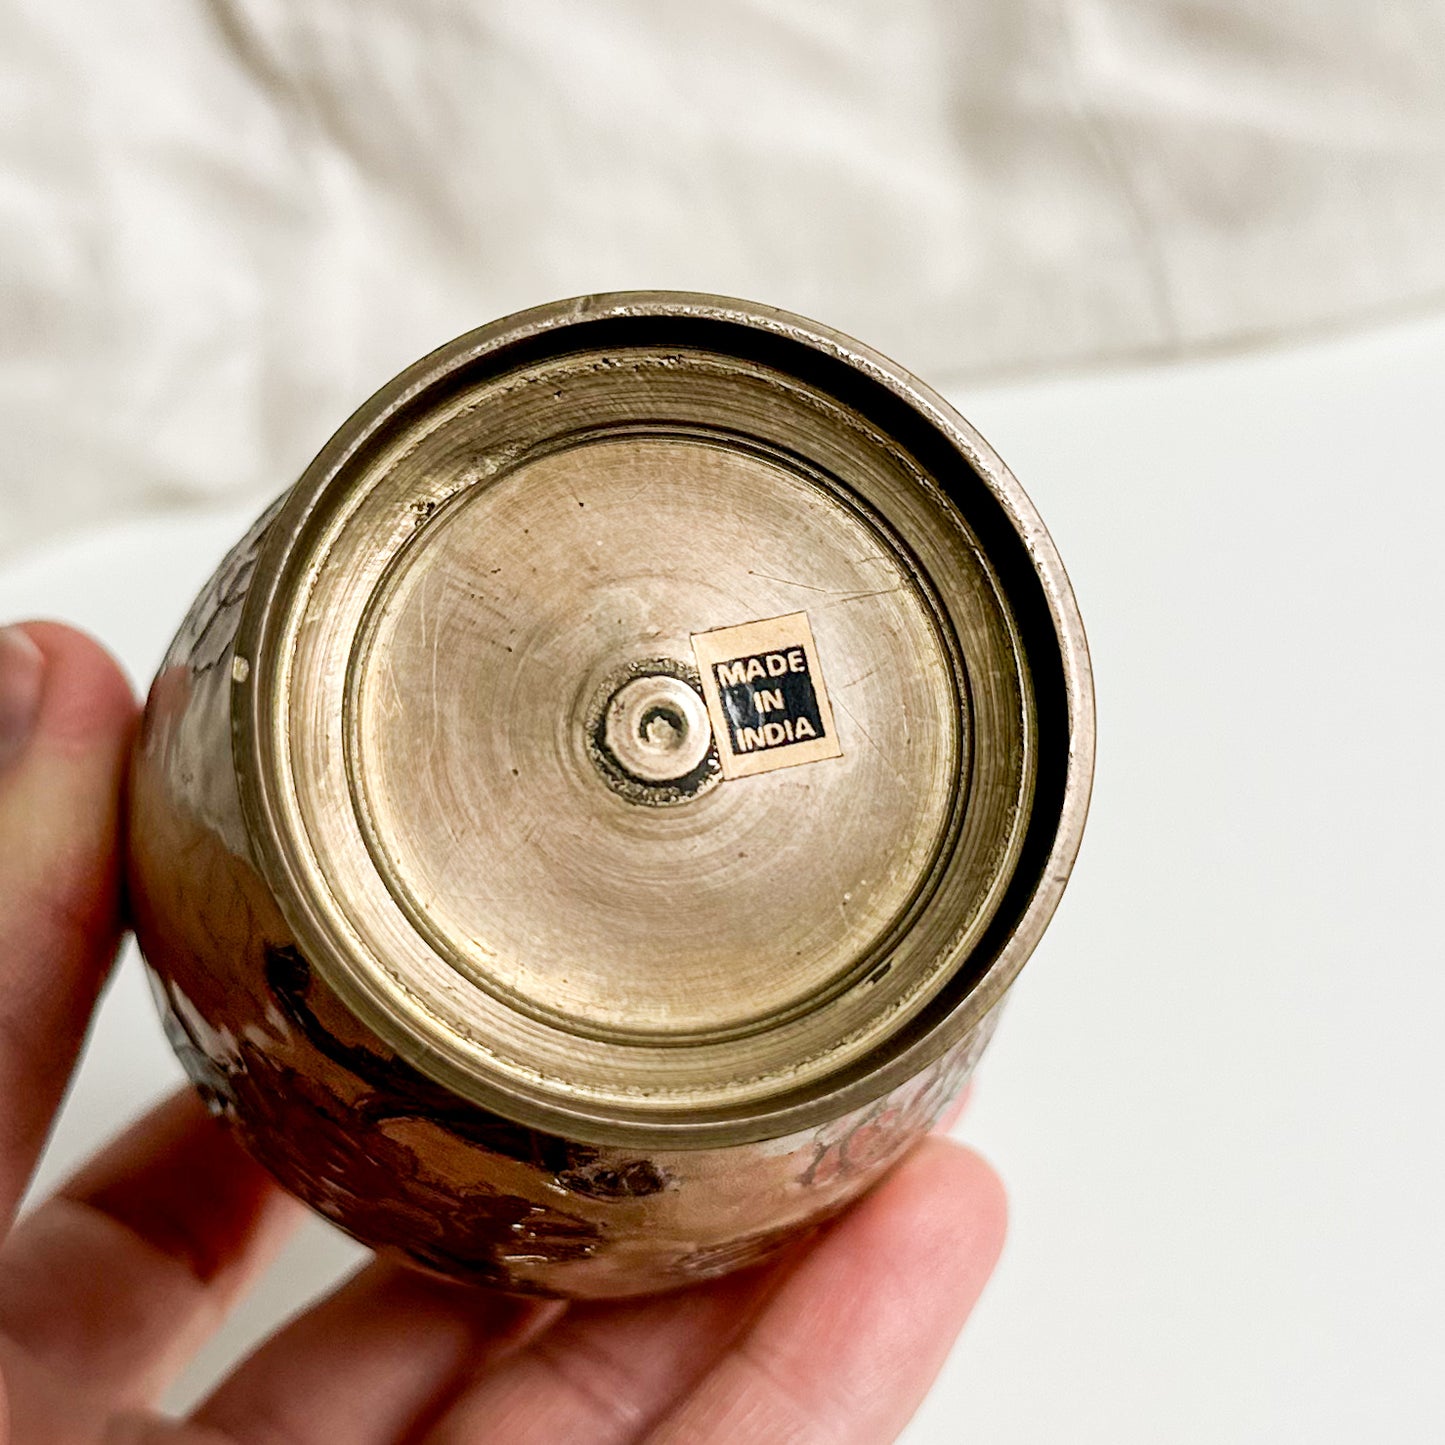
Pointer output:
x,y
110,1286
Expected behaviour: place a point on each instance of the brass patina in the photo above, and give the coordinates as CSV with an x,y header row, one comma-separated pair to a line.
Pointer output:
x,y
655,724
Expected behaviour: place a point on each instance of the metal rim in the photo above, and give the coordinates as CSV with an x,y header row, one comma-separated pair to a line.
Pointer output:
x,y
1040,883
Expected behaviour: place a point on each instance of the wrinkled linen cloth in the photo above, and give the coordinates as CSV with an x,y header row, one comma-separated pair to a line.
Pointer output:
x,y
224,222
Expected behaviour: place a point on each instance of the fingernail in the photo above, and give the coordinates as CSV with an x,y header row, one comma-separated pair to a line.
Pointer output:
x,y
22,676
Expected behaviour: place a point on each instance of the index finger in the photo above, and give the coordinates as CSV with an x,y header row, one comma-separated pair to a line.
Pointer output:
x,y
66,715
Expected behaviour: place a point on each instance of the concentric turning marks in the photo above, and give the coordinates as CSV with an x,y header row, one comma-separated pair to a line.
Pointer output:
x,y
505,868
649,735
560,886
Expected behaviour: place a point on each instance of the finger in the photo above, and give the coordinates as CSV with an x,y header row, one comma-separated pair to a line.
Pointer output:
x,y
850,1343
607,1372
65,719
372,1363
108,1288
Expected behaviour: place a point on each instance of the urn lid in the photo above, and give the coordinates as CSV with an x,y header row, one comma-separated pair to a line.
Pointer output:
x,y
662,716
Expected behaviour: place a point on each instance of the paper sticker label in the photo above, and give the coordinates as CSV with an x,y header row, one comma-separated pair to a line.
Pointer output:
x,y
765,695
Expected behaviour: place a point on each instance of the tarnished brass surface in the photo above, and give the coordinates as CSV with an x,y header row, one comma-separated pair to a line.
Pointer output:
x,y
454,905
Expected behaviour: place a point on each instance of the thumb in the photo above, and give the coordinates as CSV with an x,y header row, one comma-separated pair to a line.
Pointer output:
x,y
66,715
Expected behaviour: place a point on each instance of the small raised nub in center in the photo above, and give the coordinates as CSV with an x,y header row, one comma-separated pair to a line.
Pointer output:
x,y
656,728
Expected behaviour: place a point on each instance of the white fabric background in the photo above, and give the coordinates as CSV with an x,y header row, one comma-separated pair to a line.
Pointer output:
x,y
224,222
1216,1097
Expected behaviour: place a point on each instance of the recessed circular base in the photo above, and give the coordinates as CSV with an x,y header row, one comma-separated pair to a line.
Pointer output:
x,y
472,760
643,737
